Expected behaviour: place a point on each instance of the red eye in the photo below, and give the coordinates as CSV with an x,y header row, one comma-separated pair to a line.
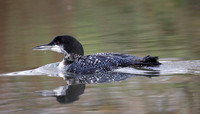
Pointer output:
x,y
57,43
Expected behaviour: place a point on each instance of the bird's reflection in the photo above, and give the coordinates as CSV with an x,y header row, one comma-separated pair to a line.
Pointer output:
x,y
75,84
67,93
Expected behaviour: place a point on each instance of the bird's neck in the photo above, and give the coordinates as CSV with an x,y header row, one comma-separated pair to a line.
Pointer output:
x,y
70,58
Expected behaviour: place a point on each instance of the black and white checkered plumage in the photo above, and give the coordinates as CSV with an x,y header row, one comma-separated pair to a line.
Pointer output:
x,y
75,62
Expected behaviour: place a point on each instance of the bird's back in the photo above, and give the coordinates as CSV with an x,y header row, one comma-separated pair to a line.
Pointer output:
x,y
102,62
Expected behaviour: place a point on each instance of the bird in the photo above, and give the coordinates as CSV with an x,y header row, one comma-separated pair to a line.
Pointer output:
x,y
76,62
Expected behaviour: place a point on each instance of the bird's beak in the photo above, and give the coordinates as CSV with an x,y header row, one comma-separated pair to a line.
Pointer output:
x,y
43,47
56,48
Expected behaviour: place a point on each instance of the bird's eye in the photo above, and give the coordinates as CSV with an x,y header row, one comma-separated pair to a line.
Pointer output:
x,y
57,43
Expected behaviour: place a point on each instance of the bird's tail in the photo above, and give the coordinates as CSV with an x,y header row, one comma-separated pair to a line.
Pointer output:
x,y
146,61
151,60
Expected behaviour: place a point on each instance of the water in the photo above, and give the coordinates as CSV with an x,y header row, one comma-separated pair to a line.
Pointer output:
x,y
168,29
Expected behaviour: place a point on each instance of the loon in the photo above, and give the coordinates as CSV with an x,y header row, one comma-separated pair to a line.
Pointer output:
x,y
75,62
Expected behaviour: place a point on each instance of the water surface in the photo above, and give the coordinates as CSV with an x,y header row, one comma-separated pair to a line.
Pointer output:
x,y
168,29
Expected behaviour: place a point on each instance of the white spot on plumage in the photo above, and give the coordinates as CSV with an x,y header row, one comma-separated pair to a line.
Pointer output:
x,y
96,60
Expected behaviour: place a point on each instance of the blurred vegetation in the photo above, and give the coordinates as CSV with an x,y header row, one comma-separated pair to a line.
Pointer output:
x,y
167,28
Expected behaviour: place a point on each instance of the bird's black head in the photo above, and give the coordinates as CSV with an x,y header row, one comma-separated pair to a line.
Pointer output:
x,y
63,44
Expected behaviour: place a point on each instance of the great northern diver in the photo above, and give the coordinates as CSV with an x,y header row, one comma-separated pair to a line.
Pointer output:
x,y
75,62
